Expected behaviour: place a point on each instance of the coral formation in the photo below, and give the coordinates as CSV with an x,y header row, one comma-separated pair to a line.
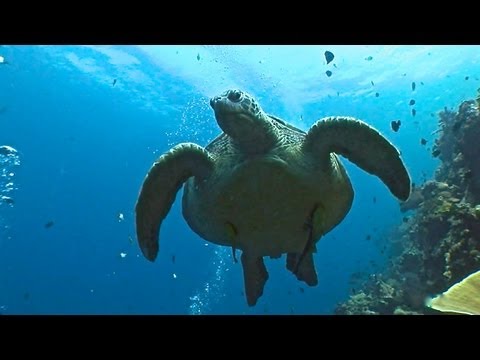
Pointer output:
x,y
439,244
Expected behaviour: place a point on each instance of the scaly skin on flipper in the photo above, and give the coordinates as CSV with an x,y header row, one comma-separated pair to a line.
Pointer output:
x,y
160,187
255,276
362,145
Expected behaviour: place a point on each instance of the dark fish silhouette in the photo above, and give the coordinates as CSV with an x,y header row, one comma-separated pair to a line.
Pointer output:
x,y
414,112
423,141
329,73
198,57
413,86
369,58
368,237
377,94
173,259
372,83
329,56
467,77
412,102
49,224
395,125
114,82
374,200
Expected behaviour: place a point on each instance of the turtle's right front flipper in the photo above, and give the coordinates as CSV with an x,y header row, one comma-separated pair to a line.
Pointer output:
x,y
160,187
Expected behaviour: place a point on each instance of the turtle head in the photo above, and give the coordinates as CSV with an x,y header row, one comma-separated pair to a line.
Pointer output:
x,y
240,116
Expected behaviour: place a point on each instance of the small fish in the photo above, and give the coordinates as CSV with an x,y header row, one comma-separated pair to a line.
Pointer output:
x,y
467,77
335,66
369,58
26,296
114,82
395,125
432,114
120,217
377,94
301,290
198,56
122,255
49,224
412,102
130,239
435,153
414,112
329,73
368,237
301,117
405,219
3,61
374,199
338,93
372,83
421,83
329,56
173,259
413,85
423,141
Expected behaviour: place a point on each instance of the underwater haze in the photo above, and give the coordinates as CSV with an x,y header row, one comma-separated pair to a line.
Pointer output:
x,y
81,126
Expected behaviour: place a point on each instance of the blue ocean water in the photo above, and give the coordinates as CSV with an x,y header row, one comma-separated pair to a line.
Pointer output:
x,y
88,121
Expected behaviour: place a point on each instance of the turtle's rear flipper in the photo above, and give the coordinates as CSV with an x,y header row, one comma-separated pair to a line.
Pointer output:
x,y
305,270
255,276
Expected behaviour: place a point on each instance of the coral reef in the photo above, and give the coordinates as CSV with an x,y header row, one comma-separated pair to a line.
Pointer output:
x,y
439,244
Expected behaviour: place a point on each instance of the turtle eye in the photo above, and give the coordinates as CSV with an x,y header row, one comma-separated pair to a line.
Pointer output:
x,y
234,96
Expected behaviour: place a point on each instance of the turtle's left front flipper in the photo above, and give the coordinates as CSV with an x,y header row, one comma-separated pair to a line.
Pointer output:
x,y
160,187
362,145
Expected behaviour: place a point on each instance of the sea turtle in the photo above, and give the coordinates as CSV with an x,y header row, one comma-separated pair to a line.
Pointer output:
x,y
265,187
